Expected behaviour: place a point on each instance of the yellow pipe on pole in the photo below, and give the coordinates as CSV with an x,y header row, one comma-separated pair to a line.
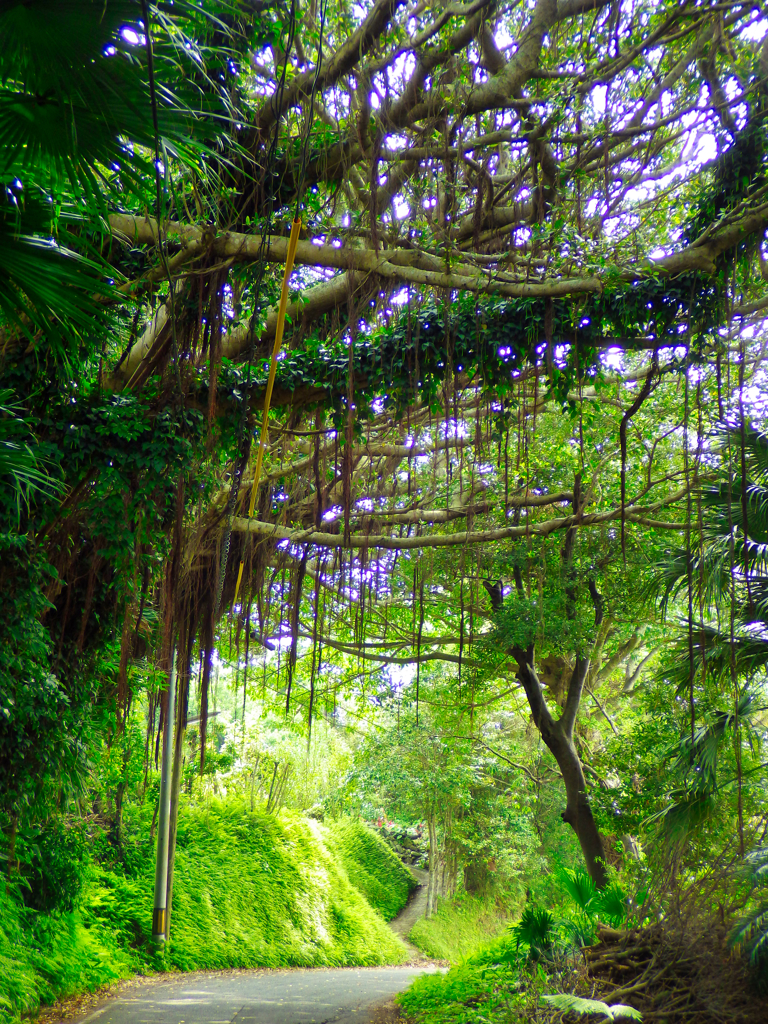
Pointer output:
x,y
290,256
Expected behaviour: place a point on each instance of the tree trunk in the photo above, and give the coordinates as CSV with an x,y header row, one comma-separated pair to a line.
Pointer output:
x,y
558,737
253,780
578,811
272,788
433,868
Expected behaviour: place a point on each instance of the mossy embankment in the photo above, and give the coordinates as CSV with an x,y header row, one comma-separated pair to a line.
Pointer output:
x,y
250,890
372,867
460,926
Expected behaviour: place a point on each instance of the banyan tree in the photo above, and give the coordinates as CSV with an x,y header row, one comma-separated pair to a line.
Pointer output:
x,y
390,329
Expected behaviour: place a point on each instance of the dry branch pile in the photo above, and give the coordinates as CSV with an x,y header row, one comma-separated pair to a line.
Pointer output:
x,y
674,974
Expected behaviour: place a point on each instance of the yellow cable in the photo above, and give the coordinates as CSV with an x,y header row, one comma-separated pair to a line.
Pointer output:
x,y
291,255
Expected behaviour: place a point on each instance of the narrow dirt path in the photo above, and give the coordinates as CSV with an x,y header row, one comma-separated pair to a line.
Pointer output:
x,y
412,912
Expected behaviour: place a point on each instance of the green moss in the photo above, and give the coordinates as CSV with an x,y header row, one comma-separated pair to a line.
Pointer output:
x,y
250,890
459,927
372,867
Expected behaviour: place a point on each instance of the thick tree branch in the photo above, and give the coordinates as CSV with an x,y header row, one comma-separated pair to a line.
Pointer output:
x,y
545,529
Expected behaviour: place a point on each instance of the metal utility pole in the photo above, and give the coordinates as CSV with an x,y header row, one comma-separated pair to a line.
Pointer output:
x,y
160,911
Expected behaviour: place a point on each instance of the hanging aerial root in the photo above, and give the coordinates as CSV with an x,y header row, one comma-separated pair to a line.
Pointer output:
x,y
295,228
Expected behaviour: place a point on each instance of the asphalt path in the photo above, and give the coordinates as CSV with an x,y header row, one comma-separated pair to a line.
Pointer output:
x,y
323,996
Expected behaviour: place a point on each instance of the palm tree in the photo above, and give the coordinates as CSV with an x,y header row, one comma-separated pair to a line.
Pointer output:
x,y
725,569
90,114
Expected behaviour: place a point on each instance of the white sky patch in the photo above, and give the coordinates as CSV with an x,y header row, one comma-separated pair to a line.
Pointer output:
x,y
597,97
400,207
401,676
132,37
395,142
404,65
613,359
756,31
502,37
453,429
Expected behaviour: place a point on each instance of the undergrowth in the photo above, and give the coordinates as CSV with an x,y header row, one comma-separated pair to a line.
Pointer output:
x,y
250,890
500,983
502,980
459,927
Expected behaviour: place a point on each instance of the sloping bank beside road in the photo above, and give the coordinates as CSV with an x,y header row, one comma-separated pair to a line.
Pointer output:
x,y
251,890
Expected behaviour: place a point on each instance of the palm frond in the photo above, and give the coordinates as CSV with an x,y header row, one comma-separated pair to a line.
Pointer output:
x,y
715,648
611,905
45,287
751,933
75,103
580,888
757,861
755,442
535,929
699,753
21,465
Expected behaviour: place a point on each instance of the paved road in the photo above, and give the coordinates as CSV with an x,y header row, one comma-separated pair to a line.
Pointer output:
x,y
343,996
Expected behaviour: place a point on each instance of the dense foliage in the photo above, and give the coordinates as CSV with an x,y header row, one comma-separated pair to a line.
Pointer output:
x,y
485,567
252,891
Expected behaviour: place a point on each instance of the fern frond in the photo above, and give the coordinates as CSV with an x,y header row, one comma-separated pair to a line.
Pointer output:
x,y
589,1007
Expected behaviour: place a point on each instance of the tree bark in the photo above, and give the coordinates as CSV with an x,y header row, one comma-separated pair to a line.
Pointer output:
x,y
432,884
558,737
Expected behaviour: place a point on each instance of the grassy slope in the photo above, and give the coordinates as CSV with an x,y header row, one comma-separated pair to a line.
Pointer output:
x,y
480,989
459,927
372,867
250,890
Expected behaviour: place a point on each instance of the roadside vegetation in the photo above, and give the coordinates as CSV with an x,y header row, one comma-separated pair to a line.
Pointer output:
x,y
251,890
384,439
461,925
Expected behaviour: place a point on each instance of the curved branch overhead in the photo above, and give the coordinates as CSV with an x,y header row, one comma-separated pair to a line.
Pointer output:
x,y
511,214
510,406
475,148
